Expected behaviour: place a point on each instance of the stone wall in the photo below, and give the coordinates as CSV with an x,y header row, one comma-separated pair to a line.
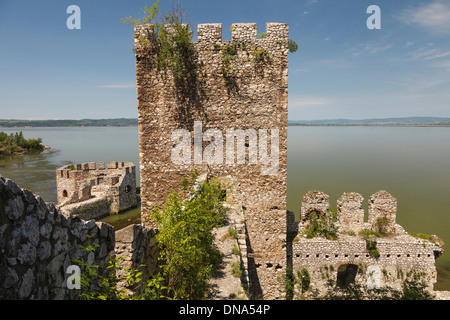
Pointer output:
x,y
234,85
38,243
350,212
397,255
137,246
382,206
94,191
314,201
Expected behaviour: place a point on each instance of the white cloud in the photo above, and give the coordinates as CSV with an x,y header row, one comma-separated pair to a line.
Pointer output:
x,y
435,16
307,101
426,54
371,48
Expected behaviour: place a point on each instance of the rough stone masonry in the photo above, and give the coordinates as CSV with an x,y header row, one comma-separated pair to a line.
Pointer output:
x,y
38,243
398,256
93,191
241,84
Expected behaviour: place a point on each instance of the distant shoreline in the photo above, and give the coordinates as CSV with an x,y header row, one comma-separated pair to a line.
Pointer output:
x,y
377,122
370,125
133,122
116,122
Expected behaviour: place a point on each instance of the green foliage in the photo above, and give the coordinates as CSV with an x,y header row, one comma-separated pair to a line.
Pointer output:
x,y
371,247
173,45
232,233
296,286
228,54
381,229
367,233
236,269
382,226
293,46
431,238
16,143
151,12
303,280
100,282
236,251
320,224
421,236
262,35
186,240
260,55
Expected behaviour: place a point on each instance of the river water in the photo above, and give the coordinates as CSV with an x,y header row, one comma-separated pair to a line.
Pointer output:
x,y
411,163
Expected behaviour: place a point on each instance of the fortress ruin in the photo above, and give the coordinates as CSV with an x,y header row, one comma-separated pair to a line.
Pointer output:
x,y
94,191
375,254
242,84
239,85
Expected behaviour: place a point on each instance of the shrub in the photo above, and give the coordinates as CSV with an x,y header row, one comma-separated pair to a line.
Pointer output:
x,y
186,240
322,225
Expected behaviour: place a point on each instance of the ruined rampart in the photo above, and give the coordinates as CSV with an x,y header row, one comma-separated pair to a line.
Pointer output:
x,y
38,243
94,191
378,253
230,109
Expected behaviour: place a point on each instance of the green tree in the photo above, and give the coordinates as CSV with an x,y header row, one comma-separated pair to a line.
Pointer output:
x,y
186,239
173,47
16,143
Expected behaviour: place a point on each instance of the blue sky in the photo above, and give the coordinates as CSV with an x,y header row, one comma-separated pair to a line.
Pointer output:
x,y
342,70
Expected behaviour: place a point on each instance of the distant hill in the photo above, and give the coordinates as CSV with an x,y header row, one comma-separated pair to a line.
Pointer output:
x,y
119,122
409,121
132,122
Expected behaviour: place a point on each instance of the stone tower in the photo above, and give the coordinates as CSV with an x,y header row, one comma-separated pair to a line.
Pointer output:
x,y
230,110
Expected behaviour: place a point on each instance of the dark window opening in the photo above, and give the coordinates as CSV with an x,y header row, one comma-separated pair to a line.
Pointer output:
x,y
128,189
100,181
346,275
65,194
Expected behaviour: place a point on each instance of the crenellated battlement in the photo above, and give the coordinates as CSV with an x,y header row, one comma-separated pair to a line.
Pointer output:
x,y
91,166
382,210
375,254
110,186
211,33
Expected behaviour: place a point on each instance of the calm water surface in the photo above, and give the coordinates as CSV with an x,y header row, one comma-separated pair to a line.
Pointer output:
x,y
413,164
